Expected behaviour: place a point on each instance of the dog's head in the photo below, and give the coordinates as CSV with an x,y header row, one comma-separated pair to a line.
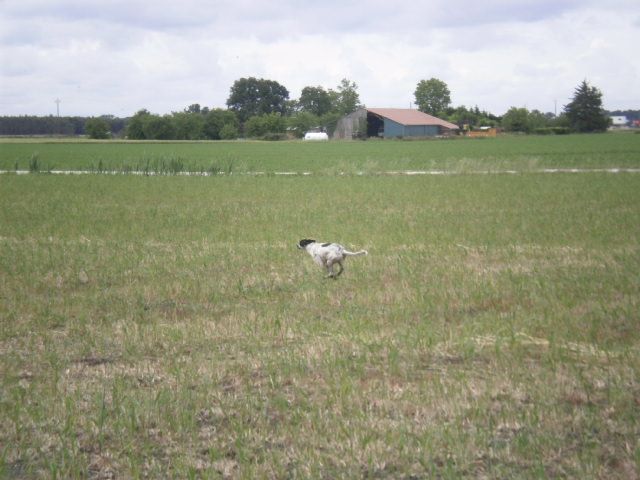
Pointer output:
x,y
302,244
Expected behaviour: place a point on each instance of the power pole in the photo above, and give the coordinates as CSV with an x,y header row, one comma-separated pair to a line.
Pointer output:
x,y
57,100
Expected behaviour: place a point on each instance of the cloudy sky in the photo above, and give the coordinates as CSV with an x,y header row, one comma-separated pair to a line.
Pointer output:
x,y
118,56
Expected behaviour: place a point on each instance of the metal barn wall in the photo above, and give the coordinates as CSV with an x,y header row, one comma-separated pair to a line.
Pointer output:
x,y
422,130
347,127
394,129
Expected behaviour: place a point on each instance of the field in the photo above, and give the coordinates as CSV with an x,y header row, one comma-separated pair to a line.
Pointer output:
x,y
505,153
167,327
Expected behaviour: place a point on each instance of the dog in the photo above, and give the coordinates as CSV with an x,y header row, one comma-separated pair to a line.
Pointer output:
x,y
328,254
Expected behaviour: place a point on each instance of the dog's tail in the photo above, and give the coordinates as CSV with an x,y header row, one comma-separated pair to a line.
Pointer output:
x,y
355,254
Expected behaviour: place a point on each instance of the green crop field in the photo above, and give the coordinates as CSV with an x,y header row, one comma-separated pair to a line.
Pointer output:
x,y
513,153
167,327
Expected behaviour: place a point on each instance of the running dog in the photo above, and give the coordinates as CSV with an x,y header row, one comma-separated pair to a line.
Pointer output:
x,y
328,254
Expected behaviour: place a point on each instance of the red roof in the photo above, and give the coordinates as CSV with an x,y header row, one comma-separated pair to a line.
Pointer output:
x,y
409,116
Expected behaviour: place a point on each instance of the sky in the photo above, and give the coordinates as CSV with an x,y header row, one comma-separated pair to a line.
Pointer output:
x,y
116,57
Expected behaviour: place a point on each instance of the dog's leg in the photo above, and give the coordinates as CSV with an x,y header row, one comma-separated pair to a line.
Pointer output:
x,y
331,273
341,269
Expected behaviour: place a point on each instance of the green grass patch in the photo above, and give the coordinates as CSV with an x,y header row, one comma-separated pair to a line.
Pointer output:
x,y
167,327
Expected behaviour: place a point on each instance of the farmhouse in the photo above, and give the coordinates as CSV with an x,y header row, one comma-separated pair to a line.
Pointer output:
x,y
392,122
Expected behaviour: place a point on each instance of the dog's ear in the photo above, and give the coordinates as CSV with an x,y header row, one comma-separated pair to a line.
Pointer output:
x,y
304,242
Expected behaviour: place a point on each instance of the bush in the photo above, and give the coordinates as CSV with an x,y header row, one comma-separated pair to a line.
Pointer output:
x,y
274,137
552,131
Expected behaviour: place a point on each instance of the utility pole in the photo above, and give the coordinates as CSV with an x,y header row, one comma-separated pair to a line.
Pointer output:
x,y
57,100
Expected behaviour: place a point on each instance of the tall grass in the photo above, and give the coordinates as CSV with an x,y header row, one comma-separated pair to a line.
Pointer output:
x,y
168,327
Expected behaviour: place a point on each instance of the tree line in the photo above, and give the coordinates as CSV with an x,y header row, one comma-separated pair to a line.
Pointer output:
x,y
583,114
261,108
256,108
63,126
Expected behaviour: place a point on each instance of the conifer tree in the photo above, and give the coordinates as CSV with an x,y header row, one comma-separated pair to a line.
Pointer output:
x,y
585,112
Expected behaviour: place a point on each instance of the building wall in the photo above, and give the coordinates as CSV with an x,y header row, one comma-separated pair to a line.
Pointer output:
x,y
347,127
422,131
490,132
394,129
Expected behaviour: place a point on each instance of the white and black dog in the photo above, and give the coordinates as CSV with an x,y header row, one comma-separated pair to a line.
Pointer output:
x,y
328,254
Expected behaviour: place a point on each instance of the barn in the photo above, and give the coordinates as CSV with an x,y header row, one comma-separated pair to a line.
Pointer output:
x,y
392,123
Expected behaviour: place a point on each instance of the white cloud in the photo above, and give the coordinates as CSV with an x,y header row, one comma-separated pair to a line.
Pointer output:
x,y
117,57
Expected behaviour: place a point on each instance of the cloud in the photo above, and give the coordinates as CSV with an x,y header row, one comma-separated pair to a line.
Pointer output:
x,y
119,56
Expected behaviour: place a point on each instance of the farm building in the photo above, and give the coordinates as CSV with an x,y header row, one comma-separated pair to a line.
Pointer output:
x,y
619,121
391,122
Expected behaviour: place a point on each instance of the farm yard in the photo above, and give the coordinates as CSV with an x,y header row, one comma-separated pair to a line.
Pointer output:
x,y
165,326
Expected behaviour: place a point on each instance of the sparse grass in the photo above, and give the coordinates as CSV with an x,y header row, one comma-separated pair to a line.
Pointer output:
x,y
167,327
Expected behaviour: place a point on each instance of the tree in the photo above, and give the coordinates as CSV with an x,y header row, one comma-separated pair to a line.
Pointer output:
x,y
159,128
537,120
516,120
585,112
229,132
302,122
188,126
329,121
215,121
97,128
346,99
472,117
135,126
261,125
256,96
193,108
314,100
432,96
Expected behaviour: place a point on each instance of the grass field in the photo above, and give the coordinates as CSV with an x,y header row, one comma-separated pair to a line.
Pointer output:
x,y
514,153
167,327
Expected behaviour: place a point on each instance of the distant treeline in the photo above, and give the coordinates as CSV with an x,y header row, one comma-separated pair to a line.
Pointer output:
x,y
223,124
213,124
52,126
